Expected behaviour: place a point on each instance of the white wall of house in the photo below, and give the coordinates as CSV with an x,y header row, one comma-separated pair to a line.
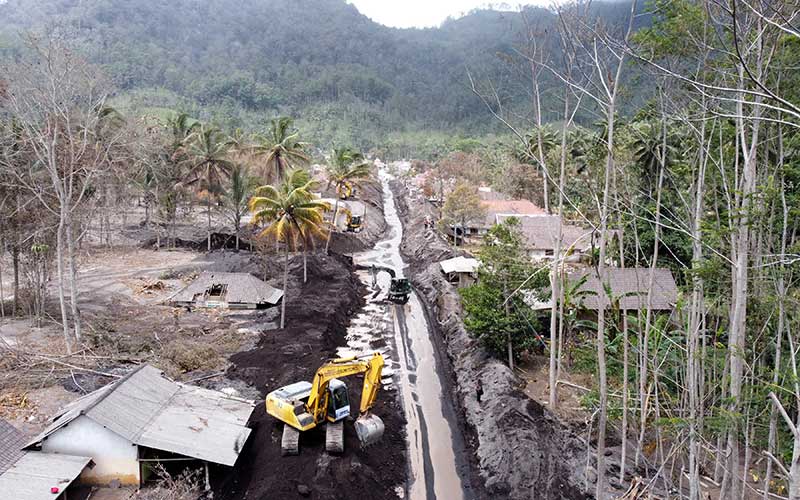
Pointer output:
x,y
114,456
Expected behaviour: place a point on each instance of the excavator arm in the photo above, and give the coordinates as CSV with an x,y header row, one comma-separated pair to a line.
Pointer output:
x,y
340,368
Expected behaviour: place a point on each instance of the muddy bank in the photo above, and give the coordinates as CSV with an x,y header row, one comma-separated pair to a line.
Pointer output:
x,y
317,317
521,450
370,194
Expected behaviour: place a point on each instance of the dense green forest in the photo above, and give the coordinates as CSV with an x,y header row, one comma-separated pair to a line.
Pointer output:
x,y
347,79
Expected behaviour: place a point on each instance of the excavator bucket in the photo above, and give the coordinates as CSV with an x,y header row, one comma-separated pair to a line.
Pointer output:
x,y
369,429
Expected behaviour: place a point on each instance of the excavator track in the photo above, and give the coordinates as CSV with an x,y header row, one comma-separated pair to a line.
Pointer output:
x,y
334,437
290,441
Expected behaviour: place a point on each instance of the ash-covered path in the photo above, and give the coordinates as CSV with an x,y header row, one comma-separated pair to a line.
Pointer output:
x,y
436,449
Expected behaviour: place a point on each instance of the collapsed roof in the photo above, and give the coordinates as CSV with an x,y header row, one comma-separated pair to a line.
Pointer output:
x,y
148,409
232,288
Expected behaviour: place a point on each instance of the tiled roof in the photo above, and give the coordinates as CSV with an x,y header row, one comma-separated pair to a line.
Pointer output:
x,y
508,207
629,286
540,233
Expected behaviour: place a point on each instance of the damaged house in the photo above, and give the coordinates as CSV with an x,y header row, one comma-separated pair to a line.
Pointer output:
x,y
227,291
33,475
143,419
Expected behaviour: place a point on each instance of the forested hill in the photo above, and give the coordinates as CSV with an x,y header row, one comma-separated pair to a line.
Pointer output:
x,y
345,77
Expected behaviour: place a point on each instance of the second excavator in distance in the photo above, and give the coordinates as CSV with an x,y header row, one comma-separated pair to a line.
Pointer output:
x,y
302,406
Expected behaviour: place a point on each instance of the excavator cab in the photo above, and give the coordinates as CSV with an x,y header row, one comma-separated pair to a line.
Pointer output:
x,y
399,290
354,224
338,401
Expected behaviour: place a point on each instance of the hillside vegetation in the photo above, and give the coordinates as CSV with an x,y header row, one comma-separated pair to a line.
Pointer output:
x,y
347,79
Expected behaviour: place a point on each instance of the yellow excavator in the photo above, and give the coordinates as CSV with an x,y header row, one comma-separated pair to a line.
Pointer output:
x,y
305,405
354,223
345,190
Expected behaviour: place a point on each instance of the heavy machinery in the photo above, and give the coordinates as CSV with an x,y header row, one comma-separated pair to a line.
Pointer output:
x,y
355,223
345,190
305,405
399,290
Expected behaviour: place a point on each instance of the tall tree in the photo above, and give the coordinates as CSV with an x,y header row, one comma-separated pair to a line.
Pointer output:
x,y
240,188
290,215
281,149
463,207
56,97
346,166
209,166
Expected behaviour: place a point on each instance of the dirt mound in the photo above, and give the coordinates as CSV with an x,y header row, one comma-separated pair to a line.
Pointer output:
x,y
317,318
370,193
523,451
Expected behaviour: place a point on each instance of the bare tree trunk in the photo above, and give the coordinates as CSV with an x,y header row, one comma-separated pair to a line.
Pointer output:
x,y
285,286
61,296
510,343
208,215
555,273
73,277
693,365
237,228
781,288
333,224
736,346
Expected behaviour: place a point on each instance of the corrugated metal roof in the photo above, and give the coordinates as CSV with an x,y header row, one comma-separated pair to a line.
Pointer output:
x,y
11,442
540,232
629,286
459,265
242,288
32,476
148,409
199,423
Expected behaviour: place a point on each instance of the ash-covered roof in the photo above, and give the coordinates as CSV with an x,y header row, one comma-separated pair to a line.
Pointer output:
x,y
241,288
148,409
495,208
29,475
540,233
487,194
629,286
34,473
11,442
459,265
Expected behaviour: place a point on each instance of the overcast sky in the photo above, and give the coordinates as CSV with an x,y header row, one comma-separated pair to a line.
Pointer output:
x,y
423,13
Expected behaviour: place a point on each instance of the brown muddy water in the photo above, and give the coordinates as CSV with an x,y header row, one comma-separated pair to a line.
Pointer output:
x,y
435,445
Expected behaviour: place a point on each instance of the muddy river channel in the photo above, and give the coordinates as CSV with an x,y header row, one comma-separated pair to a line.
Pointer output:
x,y
414,368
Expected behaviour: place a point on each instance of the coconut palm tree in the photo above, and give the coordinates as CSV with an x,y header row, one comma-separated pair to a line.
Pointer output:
x,y
281,149
346,166
207,153
291,215
240,186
